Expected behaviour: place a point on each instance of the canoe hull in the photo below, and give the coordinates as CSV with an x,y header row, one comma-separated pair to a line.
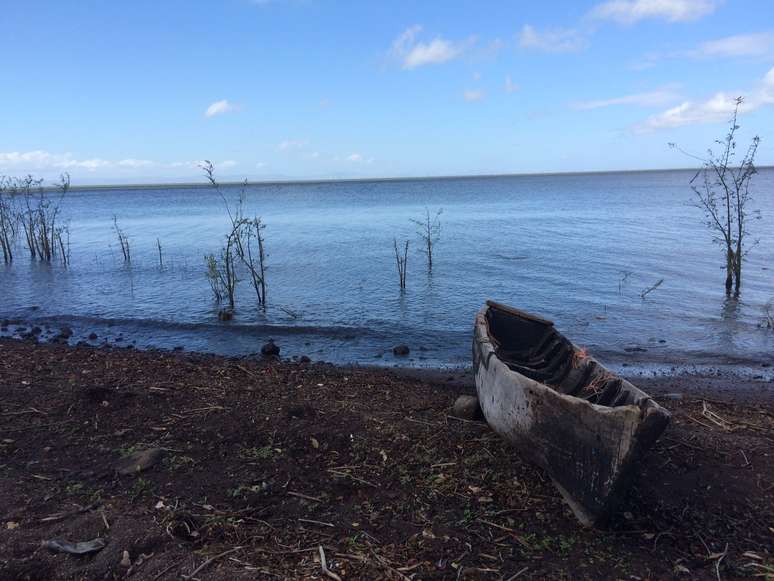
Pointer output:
x,y
590,451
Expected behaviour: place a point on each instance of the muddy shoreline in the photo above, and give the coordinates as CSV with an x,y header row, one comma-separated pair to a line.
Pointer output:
x,y
652,360
257,464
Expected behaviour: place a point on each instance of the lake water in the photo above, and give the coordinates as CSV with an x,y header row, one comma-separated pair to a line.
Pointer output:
x,y
557,245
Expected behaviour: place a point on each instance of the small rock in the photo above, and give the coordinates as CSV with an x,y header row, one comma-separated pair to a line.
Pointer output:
x,y
66,332
36,330
401,350
635,349
178,348
304,359
270,349
92,336
466,408
81,548
126,561
139,461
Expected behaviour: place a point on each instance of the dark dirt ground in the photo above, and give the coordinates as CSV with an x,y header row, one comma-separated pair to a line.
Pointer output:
x,y
271,461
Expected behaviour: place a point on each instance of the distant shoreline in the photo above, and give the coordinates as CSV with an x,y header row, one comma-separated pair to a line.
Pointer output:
x,y
313,181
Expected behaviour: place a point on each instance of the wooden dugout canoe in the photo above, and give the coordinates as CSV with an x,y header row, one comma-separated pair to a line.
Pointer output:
x,y
586,426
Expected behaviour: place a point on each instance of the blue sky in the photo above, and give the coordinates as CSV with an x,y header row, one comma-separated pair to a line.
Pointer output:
x,y
140,91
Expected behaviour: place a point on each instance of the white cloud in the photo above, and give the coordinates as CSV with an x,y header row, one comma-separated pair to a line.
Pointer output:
x,y
40,160
631,11
357,158
45,163
219,108
649,99
292,144
754,45
187,164
717,108
757,44
494,47
135,163
473,95
510,87
406,40
414,54
436,51
552,39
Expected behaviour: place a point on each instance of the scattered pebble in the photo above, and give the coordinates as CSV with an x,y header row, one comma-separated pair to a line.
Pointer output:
x,y
466,408
139,461
270,349
401,350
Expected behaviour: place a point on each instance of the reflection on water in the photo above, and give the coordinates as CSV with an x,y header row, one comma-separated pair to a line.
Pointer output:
x,y
731,309
555,245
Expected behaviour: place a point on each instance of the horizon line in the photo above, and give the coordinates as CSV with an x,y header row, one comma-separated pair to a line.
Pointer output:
x,y
301,181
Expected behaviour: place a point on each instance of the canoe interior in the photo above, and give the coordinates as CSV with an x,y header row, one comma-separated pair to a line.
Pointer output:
x,y
534,348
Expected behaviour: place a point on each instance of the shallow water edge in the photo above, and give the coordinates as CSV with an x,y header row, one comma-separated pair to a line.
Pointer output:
x,y
343,347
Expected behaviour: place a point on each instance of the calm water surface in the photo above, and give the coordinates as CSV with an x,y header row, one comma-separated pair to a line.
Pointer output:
x,y
557,245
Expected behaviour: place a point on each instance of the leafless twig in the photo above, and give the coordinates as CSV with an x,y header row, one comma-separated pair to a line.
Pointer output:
x,y
649,290
401,262
429,230
123,241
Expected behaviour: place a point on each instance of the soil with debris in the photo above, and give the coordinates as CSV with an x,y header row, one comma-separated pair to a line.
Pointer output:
x,y
194,466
